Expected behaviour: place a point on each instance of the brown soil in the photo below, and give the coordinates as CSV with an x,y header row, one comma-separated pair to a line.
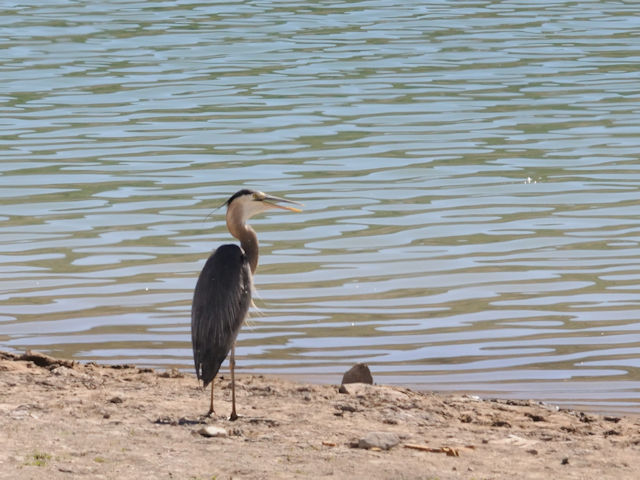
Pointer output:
x,y
61,420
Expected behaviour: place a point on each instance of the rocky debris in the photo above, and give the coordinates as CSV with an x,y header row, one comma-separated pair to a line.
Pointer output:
x,y
23,412
169,420
62,371
357,389
381,440
377,394
171,373
359,373
534,417
42,360
341,408
266,421
213,431
88,435
501,423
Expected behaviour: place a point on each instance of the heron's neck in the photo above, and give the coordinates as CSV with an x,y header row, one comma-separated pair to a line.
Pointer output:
x,y
248,241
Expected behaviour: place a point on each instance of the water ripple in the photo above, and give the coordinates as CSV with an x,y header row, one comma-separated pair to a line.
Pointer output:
x,y
469,175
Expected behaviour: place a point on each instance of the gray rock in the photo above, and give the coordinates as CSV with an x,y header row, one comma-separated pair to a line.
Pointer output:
x,y
381,440
359,373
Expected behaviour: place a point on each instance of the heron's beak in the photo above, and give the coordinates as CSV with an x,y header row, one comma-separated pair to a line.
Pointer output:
x,y
275,202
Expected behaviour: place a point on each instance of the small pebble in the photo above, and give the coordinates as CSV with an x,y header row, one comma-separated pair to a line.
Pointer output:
x,y
381,440
213,431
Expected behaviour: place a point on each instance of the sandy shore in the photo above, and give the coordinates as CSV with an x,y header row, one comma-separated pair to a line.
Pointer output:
x,y
61,420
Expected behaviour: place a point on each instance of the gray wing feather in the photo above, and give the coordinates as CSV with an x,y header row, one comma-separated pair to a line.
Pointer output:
x,y
220,304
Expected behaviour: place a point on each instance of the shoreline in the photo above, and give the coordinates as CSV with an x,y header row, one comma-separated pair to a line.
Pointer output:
x,y
595,406
62,419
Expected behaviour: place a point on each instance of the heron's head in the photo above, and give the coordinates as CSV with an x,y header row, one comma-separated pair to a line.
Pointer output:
x,y
246,203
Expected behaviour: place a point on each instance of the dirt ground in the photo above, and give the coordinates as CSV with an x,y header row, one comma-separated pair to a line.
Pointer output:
x,y
61,420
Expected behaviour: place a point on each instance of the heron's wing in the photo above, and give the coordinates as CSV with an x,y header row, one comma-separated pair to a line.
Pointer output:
x,y
220,304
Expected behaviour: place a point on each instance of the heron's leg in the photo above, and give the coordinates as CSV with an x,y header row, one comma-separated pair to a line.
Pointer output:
x,y
211,410
232,366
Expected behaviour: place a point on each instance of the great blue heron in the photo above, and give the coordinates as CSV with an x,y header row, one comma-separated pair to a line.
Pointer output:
x,y
223,293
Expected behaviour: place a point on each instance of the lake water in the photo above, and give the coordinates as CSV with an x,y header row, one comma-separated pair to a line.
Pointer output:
x,y
470,173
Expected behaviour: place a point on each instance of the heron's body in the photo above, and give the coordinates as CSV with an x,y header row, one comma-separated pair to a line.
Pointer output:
x,y
222,295
212,334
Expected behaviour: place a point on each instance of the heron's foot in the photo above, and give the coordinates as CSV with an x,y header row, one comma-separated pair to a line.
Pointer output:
x,y
234,416
210,413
